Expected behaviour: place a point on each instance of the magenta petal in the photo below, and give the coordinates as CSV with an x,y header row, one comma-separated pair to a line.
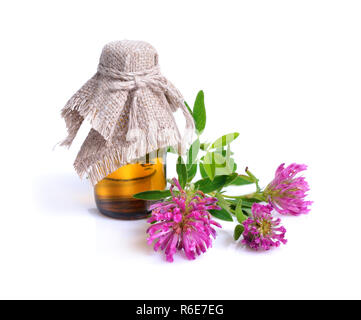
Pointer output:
x,y
183,223
287,193
262,230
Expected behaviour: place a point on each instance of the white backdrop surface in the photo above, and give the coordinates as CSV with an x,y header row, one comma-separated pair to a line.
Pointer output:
x,y
285,74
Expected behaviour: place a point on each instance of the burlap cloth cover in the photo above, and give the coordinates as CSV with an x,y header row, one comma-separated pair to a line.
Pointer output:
x,y
130,107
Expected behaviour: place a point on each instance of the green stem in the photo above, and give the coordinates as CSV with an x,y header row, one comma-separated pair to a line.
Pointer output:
x,y
257,195
255,180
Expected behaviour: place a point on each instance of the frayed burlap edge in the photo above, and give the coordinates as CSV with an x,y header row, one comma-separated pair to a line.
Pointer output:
x,y
115,158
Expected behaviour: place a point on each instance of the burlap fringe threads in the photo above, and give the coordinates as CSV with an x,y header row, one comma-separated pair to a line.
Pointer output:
x,y
129,105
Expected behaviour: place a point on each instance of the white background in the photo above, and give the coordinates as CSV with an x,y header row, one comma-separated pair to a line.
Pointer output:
x,y
285,74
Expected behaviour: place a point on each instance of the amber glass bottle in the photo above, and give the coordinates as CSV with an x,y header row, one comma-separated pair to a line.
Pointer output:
x,y
114,194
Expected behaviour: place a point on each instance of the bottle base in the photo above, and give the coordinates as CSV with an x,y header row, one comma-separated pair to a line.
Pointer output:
x,y
123,209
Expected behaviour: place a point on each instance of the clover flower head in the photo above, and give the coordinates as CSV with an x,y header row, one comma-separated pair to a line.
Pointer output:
x,y
183,223
262,230
287,193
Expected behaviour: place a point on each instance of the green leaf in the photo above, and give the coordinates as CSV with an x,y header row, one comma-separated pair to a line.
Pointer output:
x,y
221,214
228,169
153,195
248,203
230,178
199,112
171,150
182,172
224,140
202,171
223,203
222,172
230,165
191,172
241,180
219,160
204,146
193,153
209,165
225,165
241,217
234,167
207,185
238,230
239,213
238,207
223,152
225,169
188,107
228,156
247,211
